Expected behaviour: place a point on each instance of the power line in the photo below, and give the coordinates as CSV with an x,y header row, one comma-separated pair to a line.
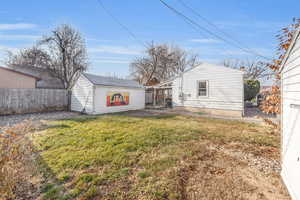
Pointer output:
x,y
192,22
121,24
210,23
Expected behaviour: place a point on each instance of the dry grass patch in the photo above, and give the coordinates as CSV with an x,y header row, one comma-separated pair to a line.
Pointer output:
x,y
19,177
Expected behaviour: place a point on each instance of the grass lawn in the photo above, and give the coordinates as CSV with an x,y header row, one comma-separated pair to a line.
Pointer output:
x,y
147,157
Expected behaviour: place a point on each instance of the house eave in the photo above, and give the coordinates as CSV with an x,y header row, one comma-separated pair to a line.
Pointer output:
x,y
288,52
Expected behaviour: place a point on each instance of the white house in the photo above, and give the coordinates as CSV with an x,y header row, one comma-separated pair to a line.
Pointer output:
x,y
209,88
290,117
94,94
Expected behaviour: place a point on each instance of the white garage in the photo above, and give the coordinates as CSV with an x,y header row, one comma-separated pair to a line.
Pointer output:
x,y
93,94
290,92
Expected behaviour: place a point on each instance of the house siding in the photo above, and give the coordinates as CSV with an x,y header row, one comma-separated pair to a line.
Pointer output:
x,y
82,99
136,99
290,90
225,88
13,80
47,80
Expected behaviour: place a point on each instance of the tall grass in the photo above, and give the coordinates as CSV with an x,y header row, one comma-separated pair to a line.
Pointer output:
x,y
16,159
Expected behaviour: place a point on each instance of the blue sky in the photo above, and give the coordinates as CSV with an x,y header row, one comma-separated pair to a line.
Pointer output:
x,y
254,23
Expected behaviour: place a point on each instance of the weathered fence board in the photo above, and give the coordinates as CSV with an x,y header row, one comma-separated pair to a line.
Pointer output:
x,y
17,101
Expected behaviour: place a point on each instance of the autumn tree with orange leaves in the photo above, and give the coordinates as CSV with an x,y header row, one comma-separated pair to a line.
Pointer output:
x,y
273,100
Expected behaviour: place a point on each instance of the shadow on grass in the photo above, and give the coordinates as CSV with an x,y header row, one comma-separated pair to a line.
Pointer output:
x,y
52,187
31,177
144,114
128,114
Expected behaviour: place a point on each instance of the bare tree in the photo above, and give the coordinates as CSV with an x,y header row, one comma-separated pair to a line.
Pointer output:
x,y
31,57
67,52
63,54
254,69
161,62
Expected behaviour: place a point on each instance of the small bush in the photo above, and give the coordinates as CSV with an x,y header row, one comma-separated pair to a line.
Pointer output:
x,y
251,89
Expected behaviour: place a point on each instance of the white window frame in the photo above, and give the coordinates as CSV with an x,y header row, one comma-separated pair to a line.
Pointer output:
x,y
207,91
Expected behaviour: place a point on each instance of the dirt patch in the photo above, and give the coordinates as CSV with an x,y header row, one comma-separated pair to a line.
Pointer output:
x,y
223,173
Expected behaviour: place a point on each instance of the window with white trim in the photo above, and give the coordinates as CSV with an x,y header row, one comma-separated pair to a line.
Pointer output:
x,y
202,88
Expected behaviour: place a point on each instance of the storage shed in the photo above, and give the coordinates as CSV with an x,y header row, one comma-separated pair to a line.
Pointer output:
x,y
290,117
95,94
205,88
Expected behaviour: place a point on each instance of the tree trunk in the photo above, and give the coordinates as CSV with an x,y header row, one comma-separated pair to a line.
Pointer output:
x,y
69,100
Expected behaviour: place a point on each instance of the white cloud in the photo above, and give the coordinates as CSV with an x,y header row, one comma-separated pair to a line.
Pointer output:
x,y
205,41
7,48
115,50
19,37
110,59
234,53
18,26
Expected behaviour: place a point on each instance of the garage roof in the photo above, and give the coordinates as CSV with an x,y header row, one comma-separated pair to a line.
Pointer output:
x,y
111,81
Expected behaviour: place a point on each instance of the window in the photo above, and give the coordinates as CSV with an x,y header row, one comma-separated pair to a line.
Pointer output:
x,y
202,88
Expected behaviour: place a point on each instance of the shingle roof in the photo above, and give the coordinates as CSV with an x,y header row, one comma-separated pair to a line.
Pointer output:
x,y
110,81
18,72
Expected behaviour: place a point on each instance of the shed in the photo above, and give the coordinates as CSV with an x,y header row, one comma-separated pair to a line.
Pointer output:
x,y
290,117
205,88
10,78
95,94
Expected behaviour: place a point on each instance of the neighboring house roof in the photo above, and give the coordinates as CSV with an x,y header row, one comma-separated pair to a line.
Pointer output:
x,y
46,79
296,37
18,72
110,81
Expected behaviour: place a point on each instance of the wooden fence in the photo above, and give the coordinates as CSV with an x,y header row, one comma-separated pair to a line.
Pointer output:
x,y
19,101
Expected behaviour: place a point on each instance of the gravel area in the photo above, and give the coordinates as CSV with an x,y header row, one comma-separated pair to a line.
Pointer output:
x,y
10,120
261,163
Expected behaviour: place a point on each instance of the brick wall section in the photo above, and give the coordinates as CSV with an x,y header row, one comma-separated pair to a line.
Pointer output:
x,y
20,101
